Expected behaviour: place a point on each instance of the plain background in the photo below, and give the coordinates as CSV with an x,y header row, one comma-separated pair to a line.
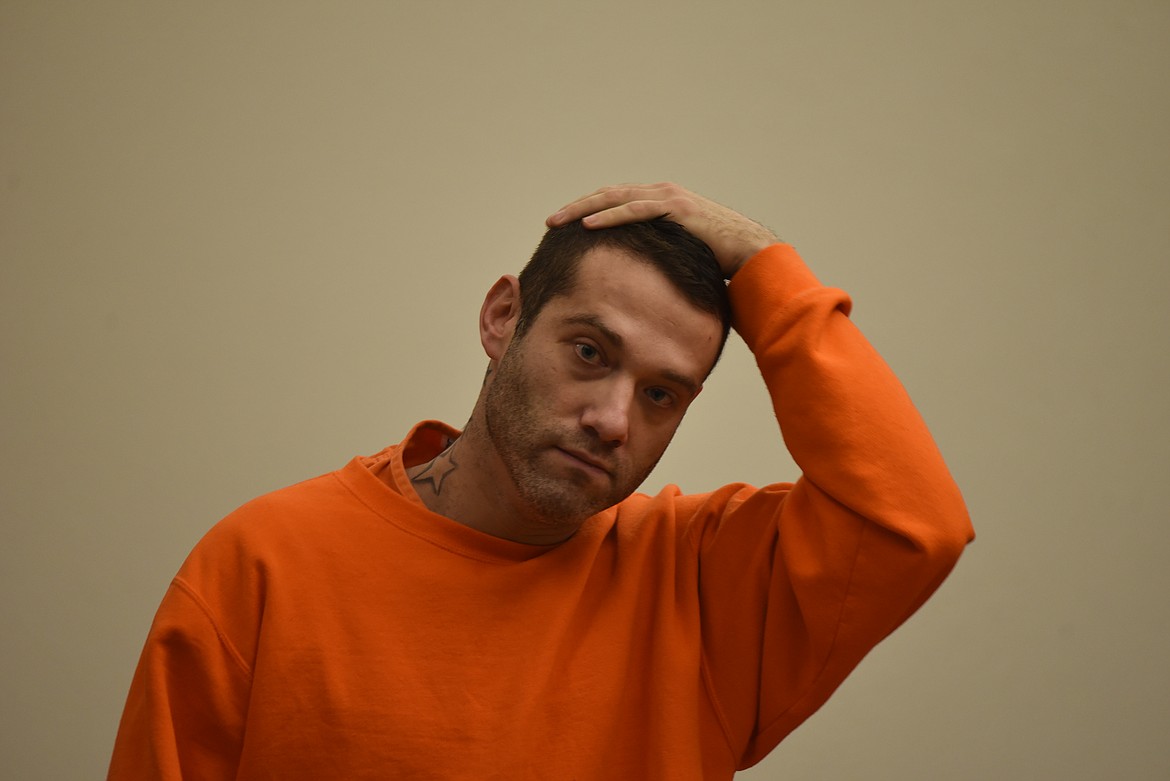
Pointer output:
x,y
245,241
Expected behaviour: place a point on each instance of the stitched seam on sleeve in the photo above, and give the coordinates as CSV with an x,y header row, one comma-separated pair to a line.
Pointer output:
x,y
224,640
704,667
865,527
720,716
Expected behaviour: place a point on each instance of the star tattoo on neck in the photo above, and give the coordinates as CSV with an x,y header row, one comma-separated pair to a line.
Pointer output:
x,y
436,471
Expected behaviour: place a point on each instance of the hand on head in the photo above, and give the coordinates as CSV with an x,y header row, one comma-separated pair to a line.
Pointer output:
x,y
731,236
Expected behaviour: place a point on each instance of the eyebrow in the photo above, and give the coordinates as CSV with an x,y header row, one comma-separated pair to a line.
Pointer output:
x,y
593,321
614,338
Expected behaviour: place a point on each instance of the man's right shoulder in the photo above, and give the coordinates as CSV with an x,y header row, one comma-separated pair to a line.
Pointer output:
x,y
281,511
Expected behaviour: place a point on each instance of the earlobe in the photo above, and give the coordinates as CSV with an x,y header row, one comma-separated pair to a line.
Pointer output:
x,y
498,316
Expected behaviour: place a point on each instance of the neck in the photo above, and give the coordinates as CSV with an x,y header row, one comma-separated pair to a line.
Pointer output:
x,y
468,484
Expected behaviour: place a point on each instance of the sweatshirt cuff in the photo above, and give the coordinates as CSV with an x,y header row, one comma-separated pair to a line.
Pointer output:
x,y
764,285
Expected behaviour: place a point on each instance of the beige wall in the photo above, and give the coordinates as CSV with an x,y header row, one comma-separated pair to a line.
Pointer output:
x,y
244,241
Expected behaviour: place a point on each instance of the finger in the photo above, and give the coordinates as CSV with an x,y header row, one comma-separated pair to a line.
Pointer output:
x,y
625,213
598,200
608,198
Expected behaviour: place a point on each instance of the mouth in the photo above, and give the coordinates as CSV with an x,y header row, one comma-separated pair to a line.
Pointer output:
x,y
585,461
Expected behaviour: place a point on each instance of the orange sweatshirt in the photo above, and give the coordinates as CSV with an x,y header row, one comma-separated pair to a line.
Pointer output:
x,y
337,629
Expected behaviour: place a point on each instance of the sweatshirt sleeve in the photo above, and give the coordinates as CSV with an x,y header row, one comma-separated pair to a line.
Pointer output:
x,y
798,582
184,715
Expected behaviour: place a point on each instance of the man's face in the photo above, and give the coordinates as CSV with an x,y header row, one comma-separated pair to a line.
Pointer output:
x,y
582,406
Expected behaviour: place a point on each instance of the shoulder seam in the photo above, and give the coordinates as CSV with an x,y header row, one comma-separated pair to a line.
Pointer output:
x,y
204,608
828,656
709,683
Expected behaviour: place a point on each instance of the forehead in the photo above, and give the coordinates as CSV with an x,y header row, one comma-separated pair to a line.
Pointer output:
x,y
639,305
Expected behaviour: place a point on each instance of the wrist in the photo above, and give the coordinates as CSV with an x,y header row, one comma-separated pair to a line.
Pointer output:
x,y
742,259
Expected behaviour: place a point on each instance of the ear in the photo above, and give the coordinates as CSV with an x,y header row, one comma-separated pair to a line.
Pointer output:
x,y
498,316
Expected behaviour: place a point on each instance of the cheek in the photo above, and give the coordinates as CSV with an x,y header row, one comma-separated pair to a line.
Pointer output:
x,y
560,387
654,436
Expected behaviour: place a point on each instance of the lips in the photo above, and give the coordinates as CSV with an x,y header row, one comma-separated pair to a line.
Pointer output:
x,y
586,458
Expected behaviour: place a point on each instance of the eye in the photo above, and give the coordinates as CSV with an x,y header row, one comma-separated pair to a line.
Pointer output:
x,y
660,397
588,353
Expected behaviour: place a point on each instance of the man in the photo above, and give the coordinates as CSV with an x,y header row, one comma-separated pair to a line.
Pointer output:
x,y
498,603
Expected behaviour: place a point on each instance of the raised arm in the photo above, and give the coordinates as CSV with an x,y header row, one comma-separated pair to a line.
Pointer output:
x,y
798,582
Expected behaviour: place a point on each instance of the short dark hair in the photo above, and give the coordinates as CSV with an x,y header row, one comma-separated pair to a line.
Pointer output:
x,y
684,260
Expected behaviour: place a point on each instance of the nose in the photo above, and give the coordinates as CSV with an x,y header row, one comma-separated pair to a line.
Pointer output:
x,y
607,413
